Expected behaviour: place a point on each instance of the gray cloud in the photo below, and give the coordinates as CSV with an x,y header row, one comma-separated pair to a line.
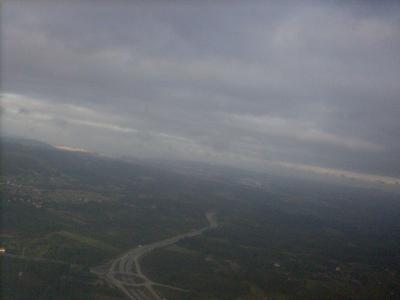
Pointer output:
x,y
311,83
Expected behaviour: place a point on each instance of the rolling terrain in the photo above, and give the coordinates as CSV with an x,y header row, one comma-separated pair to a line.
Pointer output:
x,y
82,226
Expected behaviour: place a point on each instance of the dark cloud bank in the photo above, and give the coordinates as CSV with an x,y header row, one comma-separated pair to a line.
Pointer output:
x,y
305,85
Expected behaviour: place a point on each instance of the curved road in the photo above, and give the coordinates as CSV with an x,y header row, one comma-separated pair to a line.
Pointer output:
x,y
125,273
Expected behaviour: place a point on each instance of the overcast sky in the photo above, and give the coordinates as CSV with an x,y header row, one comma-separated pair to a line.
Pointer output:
x,y
305,85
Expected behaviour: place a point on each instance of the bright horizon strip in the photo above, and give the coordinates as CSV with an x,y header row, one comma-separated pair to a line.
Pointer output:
x,y
341,173
305,168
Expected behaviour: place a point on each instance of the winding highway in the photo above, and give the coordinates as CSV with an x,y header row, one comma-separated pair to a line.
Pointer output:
x,y
125,272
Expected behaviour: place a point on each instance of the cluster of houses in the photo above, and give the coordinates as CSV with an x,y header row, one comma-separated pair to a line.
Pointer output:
x,y
15,192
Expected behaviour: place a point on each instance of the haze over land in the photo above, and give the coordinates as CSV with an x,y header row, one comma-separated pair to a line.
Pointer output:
x,y
82,226
304,86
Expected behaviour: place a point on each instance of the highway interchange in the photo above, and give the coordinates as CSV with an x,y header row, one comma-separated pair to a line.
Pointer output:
x,y
125,272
